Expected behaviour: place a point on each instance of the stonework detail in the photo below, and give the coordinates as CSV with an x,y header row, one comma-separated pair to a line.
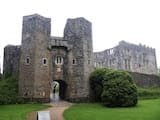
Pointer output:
x,y
127,56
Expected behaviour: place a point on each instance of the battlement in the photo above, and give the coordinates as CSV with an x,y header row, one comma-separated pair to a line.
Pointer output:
x,y
79,28
128,46
79,20
36,16
13,46
139,47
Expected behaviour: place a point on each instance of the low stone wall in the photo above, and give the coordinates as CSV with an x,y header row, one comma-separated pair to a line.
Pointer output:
x,y
37,100
145,80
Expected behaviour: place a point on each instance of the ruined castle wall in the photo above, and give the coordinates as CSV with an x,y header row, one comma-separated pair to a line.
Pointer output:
x,y
140,58
11,60
79,35
128,57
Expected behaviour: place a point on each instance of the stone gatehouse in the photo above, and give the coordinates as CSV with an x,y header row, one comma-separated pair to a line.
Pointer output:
x,y
42,59
69,60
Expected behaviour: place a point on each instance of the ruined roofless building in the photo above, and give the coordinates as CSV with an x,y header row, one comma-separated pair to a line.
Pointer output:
x,y
69,60
127,56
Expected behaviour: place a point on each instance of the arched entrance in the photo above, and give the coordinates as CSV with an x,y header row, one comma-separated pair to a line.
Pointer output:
x,y
58,90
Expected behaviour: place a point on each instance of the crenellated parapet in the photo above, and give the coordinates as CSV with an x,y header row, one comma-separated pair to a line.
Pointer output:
x,y
135,47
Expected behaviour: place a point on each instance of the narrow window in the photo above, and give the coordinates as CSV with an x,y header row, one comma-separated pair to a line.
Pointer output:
x,y
59,60
44,61
74,61
27,61
89,61
125,62
110,62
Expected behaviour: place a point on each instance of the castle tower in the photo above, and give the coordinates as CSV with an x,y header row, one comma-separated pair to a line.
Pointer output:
x,y
34,75
78,33
11,60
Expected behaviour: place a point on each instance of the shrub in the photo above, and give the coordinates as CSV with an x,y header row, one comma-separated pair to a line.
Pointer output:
x,y
9,91
96,78
119,90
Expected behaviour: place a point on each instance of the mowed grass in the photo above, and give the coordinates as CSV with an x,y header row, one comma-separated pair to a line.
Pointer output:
x,y
145,110
18,111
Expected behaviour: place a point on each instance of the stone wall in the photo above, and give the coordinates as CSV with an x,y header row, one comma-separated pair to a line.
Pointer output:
x,y
127,56
68,60
145,80
78,33
35,72
11,60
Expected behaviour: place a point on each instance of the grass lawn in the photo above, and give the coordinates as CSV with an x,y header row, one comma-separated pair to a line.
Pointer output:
x,y
18,111
145,110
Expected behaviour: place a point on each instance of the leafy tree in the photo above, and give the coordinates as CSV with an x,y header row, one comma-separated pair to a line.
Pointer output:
x,y
119,90
96,78
9,91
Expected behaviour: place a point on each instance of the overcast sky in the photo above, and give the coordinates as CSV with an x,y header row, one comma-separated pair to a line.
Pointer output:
x,y
135,21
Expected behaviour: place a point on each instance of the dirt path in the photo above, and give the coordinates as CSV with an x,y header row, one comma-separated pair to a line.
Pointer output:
x,y
56,111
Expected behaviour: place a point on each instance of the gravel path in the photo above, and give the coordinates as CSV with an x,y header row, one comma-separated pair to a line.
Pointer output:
x,y
56,111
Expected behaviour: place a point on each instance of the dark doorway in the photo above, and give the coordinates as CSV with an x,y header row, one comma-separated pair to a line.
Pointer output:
x,y
58,90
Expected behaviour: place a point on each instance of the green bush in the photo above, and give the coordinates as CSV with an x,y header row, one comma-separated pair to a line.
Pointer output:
x,y
9,91
96,78
119,90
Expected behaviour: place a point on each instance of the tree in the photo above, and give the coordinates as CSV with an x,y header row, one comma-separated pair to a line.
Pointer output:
x,y
96,78
119,90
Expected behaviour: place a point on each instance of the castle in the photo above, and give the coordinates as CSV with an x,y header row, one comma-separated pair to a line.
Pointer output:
x,y
69,60
127,56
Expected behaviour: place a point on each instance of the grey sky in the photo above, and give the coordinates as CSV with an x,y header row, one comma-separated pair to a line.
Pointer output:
x,y
136,21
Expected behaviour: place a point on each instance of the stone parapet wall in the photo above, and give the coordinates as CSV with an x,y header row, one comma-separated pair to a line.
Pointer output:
x,y
145,80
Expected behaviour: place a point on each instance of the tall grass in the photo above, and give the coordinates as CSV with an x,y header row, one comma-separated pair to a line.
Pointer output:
x,y
148,93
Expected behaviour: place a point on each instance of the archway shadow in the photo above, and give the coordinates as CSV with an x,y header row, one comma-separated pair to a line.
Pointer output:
x,y
58,90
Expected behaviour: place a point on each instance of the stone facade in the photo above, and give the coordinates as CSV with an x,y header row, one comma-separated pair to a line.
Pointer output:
x,y
127,56
11,60
43,59
68,60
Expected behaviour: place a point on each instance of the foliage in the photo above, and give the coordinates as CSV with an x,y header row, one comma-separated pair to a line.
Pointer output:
x,y
0,75
119,90
9,91
96,78
18,111
148,93
145,110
